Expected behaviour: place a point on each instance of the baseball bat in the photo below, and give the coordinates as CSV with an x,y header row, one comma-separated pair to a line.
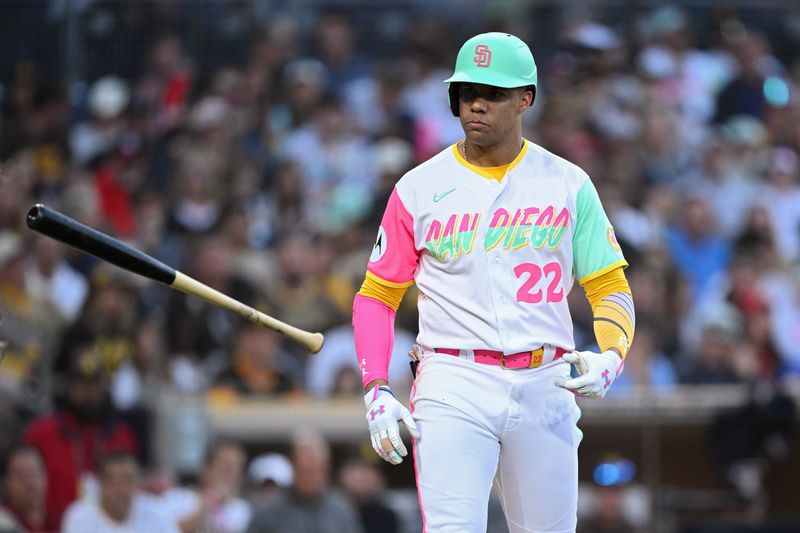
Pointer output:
x,y
91,241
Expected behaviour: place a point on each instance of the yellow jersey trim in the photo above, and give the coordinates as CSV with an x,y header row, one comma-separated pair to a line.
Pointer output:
x,y
617,264
387,283
391,296
492,173
608,283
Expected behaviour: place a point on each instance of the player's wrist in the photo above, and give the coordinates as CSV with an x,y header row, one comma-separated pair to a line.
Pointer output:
x,y
375,391
615,361
374,383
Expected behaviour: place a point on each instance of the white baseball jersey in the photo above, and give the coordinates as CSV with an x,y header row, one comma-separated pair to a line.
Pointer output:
x,y
494,262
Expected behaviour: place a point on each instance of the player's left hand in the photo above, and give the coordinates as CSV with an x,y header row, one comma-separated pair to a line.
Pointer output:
x,y
596,373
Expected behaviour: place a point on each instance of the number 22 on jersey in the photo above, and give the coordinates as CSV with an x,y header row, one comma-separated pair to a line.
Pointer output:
x,y
536,280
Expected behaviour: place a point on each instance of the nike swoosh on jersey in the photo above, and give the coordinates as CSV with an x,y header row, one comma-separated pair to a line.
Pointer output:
x,y
437,197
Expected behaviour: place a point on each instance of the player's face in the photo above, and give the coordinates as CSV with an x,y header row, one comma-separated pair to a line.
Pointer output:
x,y
490,114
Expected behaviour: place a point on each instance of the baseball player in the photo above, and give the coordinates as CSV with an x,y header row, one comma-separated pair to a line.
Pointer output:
x,y
493,230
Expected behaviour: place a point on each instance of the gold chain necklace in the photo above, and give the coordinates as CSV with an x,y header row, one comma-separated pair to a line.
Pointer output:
x,y
464,149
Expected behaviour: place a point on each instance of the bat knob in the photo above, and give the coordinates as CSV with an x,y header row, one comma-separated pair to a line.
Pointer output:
x,y
35,215
316,342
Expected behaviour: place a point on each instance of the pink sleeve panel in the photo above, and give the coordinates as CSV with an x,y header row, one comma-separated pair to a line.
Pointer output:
x,y
373,327
395,257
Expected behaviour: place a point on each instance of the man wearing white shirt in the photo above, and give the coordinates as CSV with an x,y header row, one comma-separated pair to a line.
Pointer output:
x,y
215,506
119,508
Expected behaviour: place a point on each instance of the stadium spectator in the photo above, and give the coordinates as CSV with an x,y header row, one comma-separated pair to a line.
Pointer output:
x,y
24,491
198,333
327,369
105,325
696,248
303,300
166,84
363,482
119,507
745,94
377,106
30,328
337,47
722,355
781,198
610,511
338,166
303,87
310,505
286,199
216,504
726,184
110,326
260,366
268,475
50,277
83,428
683,74
107,102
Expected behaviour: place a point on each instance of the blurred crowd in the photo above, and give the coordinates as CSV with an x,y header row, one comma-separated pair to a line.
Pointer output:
x,y
261,167
274,493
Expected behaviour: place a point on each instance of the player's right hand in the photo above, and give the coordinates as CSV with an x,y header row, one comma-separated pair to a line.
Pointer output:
x,y
383,414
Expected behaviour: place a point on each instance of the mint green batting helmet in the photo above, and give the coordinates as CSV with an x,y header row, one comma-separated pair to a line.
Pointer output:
x,y
497,59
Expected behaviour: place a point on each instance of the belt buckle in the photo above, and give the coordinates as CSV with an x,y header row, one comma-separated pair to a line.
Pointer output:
x,y
537,357
503,360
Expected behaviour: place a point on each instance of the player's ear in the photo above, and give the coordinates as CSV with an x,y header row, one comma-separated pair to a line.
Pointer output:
x,y
527,95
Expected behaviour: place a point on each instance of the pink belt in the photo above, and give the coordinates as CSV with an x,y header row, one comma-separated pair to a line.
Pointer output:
x,y
531,359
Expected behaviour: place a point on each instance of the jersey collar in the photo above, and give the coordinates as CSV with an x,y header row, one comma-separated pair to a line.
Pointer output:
x,y
492,173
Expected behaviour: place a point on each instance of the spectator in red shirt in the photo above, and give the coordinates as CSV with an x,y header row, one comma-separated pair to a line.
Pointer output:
x,y
83,428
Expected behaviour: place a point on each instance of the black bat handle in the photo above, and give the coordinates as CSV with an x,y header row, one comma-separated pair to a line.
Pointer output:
x,y
69,231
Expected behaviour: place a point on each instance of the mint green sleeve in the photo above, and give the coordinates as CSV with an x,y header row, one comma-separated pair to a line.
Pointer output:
x,y
594,246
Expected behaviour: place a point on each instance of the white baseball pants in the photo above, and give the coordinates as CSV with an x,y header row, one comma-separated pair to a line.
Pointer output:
x,y
481,424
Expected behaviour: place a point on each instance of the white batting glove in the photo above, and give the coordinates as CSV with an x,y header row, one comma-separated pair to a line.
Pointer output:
x,y
597,371
383,412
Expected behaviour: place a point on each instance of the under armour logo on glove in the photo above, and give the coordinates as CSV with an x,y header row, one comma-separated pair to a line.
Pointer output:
x,y
596,373
383,413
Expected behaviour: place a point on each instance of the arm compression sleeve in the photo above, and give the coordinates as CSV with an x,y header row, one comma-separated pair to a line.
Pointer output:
x,y
614,314
373,327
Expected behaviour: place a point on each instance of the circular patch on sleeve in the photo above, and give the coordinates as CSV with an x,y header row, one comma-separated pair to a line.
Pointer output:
x,y
380,246
612,238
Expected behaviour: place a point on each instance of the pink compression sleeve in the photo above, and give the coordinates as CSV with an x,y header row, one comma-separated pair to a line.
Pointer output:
x,y
373,327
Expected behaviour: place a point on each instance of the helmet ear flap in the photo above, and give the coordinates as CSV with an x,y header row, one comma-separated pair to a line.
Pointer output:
x,y
452,98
